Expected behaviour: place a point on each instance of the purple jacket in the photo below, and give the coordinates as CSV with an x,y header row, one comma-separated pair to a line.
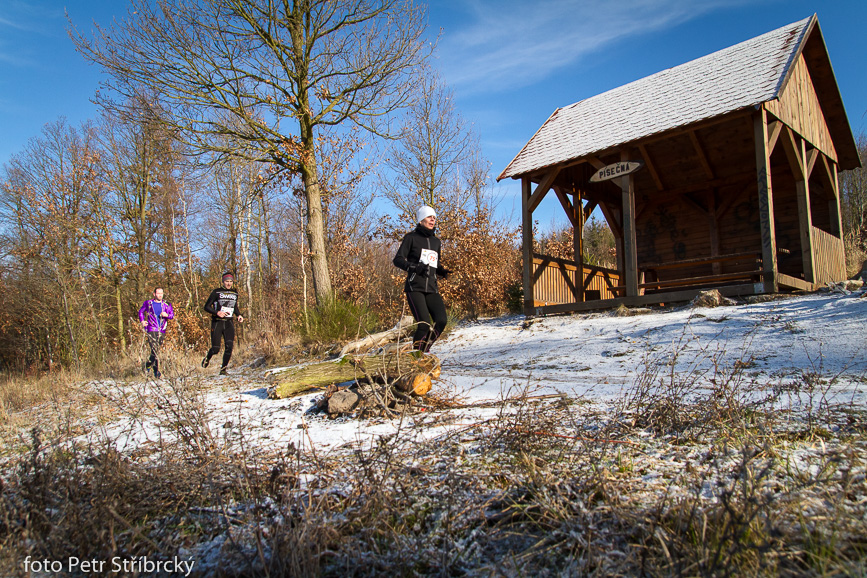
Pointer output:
x,y
147,313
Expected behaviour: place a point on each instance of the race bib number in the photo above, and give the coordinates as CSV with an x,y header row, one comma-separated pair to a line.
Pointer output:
x,y
430,258
227,310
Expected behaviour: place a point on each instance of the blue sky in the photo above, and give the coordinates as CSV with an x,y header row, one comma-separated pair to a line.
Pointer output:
x,y
511,63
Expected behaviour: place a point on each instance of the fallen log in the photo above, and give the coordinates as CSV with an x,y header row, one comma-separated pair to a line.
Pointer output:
x,y
417,383
403,328
290,381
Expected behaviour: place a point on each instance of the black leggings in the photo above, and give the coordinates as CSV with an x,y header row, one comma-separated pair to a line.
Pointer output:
x,y
427,307
225,329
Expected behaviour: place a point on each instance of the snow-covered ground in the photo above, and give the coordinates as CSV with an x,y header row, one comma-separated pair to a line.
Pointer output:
x,y
595,356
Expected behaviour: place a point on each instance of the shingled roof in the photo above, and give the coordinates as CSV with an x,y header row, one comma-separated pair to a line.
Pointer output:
x,y
744,75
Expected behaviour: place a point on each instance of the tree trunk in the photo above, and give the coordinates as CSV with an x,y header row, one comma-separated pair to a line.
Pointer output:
x,y
315,221
119,306
291,381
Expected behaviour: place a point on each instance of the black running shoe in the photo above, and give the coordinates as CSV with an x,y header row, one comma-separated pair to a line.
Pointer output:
x,y
224,371
205,362
157,374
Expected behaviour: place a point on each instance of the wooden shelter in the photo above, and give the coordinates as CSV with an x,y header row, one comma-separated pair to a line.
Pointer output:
x,y
721,172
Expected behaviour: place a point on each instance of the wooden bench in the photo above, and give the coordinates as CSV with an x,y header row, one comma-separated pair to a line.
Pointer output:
x,y
750,274
652,269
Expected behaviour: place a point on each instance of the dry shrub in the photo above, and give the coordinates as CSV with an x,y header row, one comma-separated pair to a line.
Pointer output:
x,y
190,329
18,392
599,245
856,257
94,503
482,255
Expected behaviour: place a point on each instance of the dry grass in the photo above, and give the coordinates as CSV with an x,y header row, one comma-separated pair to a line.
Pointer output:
x,y
692,473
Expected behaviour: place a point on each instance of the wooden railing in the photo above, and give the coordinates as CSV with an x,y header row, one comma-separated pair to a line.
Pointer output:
x,y
830,257
555,281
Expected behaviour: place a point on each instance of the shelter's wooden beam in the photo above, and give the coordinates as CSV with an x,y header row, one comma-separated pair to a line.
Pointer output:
x,y
587,210
744,177
796,154
835,185
774,130
596,162
695,205
640,210
612,215
543,188
805,218
702,157
630,244
766,200
680,131
727,204
648,162
812,156
793,154
527,244
567,206
830,174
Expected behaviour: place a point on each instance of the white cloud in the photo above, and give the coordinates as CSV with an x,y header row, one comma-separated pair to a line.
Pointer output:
x,y
498,44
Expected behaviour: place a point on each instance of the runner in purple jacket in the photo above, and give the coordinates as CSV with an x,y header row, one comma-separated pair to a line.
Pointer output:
x,y
154,316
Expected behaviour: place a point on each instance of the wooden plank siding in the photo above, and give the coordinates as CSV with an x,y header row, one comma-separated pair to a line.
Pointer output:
x,y
555,281
799,108
830,260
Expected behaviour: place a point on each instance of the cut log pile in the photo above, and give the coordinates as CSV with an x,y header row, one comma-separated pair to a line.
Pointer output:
x,y
383,382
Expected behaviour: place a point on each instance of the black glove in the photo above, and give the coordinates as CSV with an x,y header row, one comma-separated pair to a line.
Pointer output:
x,y
443,272
420,269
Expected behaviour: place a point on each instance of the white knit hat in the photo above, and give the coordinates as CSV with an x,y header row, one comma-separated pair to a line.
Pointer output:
x,y
423,213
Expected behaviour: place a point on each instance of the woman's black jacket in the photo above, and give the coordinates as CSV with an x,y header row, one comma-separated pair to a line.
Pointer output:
x,y
408,256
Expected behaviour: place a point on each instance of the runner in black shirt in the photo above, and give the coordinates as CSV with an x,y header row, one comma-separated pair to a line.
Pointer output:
x,y
419,256
222,304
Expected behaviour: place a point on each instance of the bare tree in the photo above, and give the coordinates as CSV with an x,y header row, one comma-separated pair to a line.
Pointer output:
x,y
437,160
853,188
238,68
46,214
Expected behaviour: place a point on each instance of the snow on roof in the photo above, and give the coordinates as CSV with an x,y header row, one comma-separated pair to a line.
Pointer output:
x,y
743,75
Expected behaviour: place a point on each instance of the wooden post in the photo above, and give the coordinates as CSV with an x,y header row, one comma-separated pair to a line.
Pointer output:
x,y
805,217
837,222
630,244
713,225
612,216
835,182
578,242
766,201
527,245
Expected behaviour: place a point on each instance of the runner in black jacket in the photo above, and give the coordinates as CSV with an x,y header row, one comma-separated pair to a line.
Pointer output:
x,y
419,255
222,304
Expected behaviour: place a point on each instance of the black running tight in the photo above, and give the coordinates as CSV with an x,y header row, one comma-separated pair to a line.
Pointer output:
x,y
427,308
224,329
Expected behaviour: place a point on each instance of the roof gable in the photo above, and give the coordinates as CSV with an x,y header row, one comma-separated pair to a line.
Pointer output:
x,y
743,75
